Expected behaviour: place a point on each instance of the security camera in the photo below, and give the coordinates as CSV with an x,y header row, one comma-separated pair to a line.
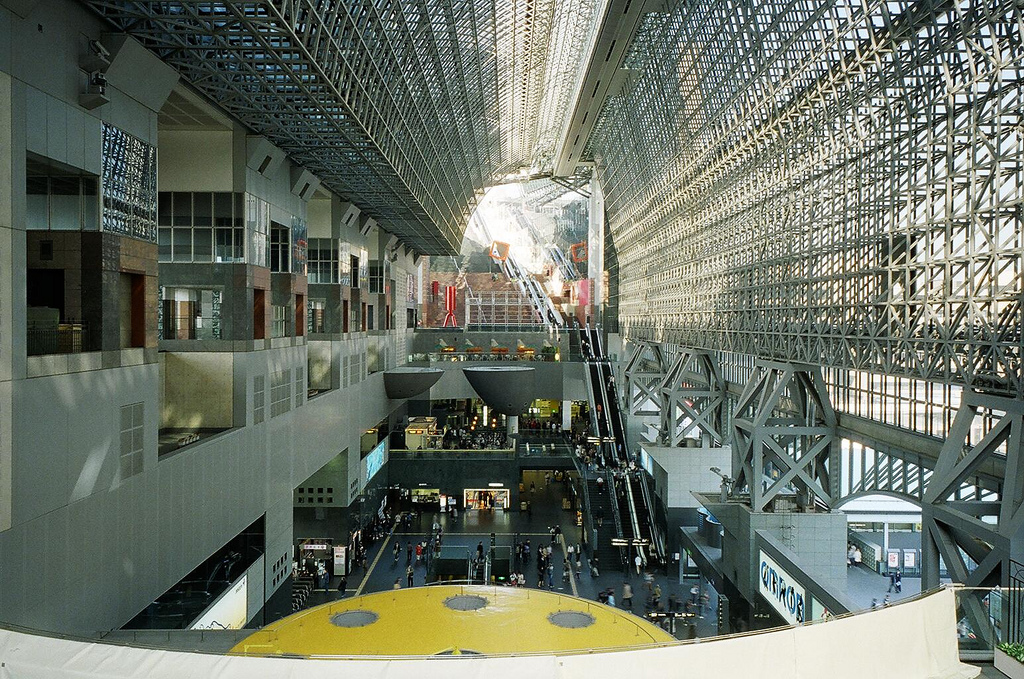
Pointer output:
x,y
98,49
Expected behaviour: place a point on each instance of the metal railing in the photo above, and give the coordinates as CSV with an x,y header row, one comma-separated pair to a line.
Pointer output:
x,y
68,337
470,587
462,453
484,355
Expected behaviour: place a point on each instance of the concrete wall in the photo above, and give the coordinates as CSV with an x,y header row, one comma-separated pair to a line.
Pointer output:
x,y
196,160
689,469
197,389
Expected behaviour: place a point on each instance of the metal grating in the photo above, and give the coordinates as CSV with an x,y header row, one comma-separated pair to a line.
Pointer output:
x,y
831,182
410,108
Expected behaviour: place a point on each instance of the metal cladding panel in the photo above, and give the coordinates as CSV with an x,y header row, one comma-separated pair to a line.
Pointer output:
x,y
409,382
508,390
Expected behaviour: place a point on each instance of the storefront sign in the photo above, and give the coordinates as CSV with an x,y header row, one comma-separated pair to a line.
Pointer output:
x,y
339,559
780,590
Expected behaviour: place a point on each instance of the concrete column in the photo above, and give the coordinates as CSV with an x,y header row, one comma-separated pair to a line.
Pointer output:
x,y
513,425
566,415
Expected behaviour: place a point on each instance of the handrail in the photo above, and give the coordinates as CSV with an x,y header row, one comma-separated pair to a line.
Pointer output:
x,y
616,515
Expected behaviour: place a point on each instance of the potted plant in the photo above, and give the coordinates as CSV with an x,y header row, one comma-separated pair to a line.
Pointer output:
x,y
1009,659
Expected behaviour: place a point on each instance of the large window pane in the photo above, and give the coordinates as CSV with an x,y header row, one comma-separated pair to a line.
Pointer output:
x,y
202,245
164,245
182,209
202,209
222,203
182,245
65,204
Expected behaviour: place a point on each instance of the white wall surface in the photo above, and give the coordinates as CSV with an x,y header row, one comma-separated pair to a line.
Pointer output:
x,y
196,160
689,469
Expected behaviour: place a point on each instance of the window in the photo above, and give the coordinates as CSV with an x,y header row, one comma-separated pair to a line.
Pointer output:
x,y
280,245
129,185
189,313
279,327
316,317
60,199
377,273
131,439
369,317
200,227
323,260
258,225
280,392
258,398
300,386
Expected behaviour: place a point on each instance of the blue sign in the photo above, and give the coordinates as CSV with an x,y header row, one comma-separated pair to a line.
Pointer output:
x,y
782,592
375,460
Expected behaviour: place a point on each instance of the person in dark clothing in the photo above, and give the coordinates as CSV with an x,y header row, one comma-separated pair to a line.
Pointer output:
x,y
479,551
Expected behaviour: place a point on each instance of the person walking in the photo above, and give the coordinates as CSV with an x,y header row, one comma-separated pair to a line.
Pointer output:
x,y
892,582
409,573
639,562
343,584
627,596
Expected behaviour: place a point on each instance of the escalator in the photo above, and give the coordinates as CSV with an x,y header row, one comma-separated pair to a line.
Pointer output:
x,y
635,502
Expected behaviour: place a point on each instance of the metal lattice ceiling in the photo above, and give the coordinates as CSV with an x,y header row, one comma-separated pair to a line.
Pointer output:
x,y
410,108
836,182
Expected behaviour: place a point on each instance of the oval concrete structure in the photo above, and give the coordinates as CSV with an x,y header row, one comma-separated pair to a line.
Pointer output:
x,y
509,390
410,381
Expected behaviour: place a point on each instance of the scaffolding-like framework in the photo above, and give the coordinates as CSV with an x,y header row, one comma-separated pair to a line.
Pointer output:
x,y
410,108
832,182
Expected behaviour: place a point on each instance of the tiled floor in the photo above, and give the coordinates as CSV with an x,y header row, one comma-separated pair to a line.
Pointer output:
x,y
476,526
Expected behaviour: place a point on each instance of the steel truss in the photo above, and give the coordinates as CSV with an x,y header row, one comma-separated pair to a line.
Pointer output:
x,y
976,552
644,373
692,399
783,422
837,183
410,108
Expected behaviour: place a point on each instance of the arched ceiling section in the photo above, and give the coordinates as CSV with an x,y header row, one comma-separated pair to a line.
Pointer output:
x,y
409,108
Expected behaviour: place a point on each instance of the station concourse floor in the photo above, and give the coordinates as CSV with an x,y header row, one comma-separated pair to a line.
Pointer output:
x,y
475,526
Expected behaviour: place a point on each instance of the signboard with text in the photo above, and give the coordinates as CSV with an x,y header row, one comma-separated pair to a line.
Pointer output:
x,y
784,593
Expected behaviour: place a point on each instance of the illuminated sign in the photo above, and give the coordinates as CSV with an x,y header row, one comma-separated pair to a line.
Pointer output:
x,y
230,611
375,460
780,590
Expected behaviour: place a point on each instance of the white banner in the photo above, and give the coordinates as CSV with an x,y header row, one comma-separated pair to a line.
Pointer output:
x,y
784,593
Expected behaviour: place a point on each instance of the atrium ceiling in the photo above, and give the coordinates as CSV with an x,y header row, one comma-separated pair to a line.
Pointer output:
x,y
409,108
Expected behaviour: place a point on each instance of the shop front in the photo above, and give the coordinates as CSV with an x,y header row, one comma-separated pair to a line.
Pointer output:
x,y
486,498
424,498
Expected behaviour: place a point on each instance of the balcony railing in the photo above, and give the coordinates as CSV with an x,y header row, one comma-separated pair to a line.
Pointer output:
x,y
69,337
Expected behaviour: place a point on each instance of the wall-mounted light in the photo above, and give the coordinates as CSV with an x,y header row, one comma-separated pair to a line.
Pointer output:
x,y
495,485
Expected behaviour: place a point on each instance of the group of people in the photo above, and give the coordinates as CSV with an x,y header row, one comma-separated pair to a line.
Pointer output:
x,y
479,439
854,557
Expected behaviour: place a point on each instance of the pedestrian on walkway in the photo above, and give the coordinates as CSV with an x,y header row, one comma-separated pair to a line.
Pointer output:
x,y
409,572
343,584
397,585
627,596
639,562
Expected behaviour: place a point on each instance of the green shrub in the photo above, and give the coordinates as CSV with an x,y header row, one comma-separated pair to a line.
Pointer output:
x,y
1015,651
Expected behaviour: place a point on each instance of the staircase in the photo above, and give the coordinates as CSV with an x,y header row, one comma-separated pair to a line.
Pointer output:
x,y
601,504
